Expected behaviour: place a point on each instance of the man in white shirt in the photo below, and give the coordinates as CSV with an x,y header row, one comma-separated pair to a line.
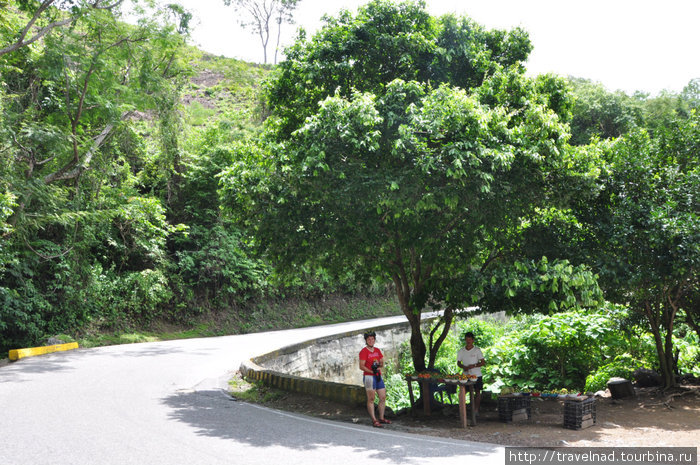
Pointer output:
x,y
470,360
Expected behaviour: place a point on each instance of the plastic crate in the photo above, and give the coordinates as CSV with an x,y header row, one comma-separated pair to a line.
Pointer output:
x,y
514,408
579,414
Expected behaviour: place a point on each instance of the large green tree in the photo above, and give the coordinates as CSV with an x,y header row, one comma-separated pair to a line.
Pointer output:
x,y
636,221
644,229
410,148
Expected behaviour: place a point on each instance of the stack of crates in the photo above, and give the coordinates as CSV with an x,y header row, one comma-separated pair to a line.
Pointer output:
x,y
514,408
579,413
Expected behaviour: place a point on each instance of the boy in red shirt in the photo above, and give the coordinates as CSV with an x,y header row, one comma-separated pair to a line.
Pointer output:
x,y
371,364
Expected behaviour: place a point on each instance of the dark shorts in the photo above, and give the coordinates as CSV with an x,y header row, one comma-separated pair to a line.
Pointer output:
x,y
479,385
372,382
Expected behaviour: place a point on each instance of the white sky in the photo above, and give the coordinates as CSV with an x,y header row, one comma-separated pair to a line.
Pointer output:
x,y
646,45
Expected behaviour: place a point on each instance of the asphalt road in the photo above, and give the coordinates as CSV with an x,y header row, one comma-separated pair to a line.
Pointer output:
x,y
164,403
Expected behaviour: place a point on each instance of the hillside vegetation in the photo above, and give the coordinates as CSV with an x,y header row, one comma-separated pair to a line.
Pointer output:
x,y
112,139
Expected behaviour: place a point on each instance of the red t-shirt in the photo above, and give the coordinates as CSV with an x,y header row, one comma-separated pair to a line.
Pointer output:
x,y
369,357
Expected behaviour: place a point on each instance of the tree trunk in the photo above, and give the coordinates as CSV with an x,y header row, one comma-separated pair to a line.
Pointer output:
x,y
418,349
669,372
417,346
434,345
403,294
664,345
263,41
279,34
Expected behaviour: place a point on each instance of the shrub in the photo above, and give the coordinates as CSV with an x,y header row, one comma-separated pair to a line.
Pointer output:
x,y
20,317
125,300
622,366
558,350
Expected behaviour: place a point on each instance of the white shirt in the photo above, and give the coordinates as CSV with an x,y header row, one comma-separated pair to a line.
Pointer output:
x,y
470,357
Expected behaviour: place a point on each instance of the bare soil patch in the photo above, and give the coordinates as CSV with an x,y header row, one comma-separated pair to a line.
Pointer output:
x,y
207,78
652,418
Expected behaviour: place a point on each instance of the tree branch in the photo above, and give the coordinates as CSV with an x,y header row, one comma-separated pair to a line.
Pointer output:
x,y
42,32
97,5
447,317
493,256
72,169
21,42
47,257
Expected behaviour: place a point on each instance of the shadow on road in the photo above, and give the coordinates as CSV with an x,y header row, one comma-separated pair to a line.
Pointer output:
x,y
18,371
23,369
213,413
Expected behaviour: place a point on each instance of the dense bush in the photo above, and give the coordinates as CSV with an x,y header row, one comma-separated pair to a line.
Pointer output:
x,y
20,316
558,350
215,265
574,350
687,344
622,366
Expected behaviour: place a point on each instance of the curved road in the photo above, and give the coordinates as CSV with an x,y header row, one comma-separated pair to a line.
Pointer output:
x,y
164,403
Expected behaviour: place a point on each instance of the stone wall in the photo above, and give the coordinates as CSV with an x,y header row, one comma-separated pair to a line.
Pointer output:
x,y
327,367
335,358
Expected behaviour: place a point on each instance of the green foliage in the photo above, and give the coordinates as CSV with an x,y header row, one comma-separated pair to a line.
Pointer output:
x,y
135,238
215,265
558,350
644,228
20,316
386,41
687,344
109,211
579,350
119,337
39,295
399,147
691,94
255,391
397,396
197,114
600,114
120,301
622,366
633,218
7,204
79,242
662,110
542,286
486,330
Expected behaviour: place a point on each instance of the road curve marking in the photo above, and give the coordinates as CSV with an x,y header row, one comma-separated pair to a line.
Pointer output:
x,y
16,354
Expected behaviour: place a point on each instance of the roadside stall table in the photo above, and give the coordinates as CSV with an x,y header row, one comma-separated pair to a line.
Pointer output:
x,y
425,383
